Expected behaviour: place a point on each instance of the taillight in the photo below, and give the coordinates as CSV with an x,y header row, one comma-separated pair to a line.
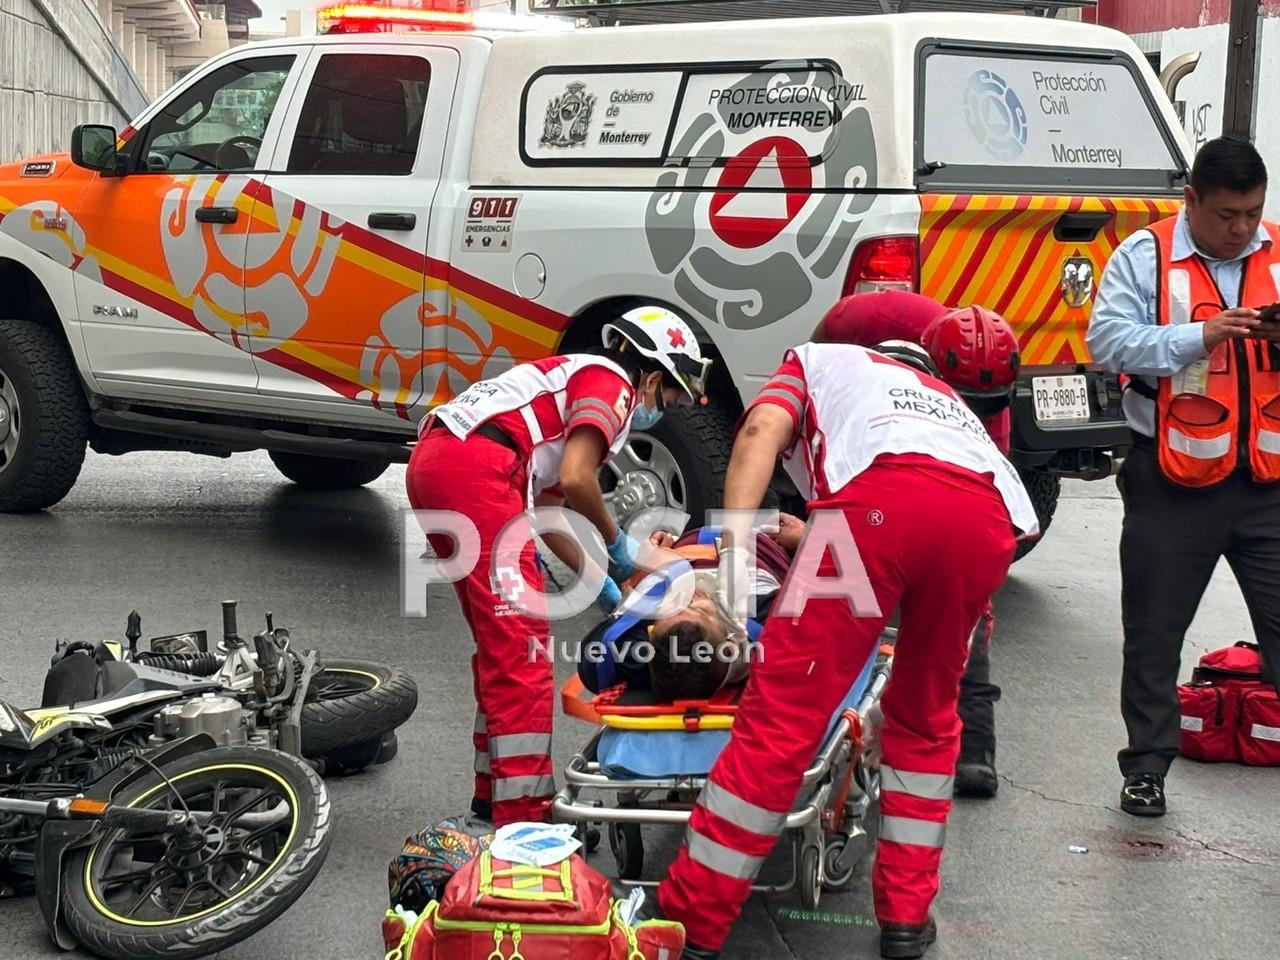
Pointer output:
x,y
883,263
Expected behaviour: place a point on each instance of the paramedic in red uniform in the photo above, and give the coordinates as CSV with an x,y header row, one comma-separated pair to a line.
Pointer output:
x,y
976,352
932,506
1178,312
539,433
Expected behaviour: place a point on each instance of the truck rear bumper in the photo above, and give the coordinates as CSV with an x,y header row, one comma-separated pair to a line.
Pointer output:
x,y
1082,449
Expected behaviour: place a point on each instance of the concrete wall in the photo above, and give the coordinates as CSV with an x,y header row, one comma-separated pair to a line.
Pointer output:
x,y
58,68
1204,90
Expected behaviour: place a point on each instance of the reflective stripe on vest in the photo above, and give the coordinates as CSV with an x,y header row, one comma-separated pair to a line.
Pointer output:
x,y
1203,435
729,806
1210,449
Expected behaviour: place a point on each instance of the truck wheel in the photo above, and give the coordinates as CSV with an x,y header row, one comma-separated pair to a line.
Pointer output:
x,y
327,473
679,463
1043,489
44,418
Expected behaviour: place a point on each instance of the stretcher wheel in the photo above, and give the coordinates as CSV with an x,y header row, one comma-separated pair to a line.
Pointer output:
x,y
628,849
837,863
811,878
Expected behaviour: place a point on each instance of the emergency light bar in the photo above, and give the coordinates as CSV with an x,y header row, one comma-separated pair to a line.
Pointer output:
x,y
391,16
364,16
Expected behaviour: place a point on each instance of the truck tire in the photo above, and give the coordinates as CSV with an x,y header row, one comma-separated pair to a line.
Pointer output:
x,y
327,473
1043,489
680,462
44,418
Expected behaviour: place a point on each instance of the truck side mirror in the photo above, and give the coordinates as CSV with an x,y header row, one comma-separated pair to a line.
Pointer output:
x,y
93,146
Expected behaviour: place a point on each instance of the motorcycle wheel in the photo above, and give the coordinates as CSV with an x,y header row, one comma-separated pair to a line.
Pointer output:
x,y
353,702
267,827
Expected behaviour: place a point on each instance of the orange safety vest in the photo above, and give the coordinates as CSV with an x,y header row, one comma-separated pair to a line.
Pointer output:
x,y
1223,411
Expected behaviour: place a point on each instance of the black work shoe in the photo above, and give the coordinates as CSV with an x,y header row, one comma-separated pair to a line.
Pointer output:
x,y
976,776
1143,795
906,941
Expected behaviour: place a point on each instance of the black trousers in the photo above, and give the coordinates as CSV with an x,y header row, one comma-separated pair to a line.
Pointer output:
x,y
978,696
1171,542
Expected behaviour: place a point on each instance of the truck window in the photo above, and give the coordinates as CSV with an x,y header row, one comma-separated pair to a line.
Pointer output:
x,y
1039,121
218,123
362,115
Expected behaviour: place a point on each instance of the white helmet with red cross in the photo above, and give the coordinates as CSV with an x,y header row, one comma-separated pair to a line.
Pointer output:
x,y
661,335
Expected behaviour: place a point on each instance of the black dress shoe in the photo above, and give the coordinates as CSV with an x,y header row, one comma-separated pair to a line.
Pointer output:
x,y
906,941
1143,795
976,776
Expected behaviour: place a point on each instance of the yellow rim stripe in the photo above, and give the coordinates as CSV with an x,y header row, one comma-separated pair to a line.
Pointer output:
x,y
88,864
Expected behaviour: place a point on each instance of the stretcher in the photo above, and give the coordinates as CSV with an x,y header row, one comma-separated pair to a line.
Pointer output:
x,y
646,764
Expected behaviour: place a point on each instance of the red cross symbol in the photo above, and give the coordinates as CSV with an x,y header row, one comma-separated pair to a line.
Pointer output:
x,y
677,337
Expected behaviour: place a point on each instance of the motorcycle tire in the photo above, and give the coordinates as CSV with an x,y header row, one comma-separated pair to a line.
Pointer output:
x,y
359,757
259,858
354,702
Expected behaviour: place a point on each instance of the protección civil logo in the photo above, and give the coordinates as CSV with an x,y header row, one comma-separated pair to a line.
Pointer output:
x,y
995,115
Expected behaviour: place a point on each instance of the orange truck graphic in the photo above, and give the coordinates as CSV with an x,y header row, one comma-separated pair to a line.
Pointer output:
x,y
309,243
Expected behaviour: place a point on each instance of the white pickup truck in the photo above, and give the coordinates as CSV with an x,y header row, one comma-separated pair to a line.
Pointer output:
x,y
307,243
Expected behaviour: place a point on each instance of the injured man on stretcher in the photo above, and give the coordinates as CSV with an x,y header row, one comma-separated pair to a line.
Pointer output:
x,y
689,653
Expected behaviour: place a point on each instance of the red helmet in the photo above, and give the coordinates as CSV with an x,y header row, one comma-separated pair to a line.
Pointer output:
x,y
866,319
976,351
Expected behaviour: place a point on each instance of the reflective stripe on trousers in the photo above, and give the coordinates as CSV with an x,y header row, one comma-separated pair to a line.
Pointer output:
x,y
519,745
927,786
517,788
729,806
895,827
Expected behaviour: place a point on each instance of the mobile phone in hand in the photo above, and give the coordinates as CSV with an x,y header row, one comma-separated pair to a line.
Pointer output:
x,y
1270,314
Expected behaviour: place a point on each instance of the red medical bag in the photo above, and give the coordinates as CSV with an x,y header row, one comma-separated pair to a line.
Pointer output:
x,y
1260,727
1228,714
495,909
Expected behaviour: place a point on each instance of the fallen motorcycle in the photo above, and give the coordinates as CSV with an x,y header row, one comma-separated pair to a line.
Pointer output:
x,y
172,812
176,851
339,714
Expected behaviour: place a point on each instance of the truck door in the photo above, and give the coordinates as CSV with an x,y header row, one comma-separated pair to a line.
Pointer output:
x,y
163,310
334,285
1033,166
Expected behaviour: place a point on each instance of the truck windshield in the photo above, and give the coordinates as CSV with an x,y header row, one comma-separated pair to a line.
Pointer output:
x,y
1039,121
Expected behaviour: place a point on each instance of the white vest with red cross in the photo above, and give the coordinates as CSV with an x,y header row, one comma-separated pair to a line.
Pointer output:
x,y
862,404
516,390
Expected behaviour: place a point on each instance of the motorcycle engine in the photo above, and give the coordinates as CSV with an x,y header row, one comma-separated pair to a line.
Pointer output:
x,y
220,717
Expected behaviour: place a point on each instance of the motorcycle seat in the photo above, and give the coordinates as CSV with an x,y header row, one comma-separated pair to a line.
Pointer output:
x,y
72,679
80,678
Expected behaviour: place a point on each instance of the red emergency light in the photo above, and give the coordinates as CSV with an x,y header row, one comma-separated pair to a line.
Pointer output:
x,y
373,17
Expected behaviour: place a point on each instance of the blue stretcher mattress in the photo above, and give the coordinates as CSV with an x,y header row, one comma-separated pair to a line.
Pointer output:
x,y
646,754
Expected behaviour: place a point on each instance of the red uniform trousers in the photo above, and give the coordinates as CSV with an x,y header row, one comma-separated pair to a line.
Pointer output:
x,y
512,670
937,543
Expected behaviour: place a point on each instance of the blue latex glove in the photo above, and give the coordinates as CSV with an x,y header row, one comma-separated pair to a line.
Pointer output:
x,y
622,556
610,596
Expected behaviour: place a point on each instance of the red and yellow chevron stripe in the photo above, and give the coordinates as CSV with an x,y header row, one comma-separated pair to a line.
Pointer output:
x,y
999,251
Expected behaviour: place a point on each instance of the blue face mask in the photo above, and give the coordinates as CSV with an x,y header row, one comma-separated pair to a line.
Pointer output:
x,y
645,417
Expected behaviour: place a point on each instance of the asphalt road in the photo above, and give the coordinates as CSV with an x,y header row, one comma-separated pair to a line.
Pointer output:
x,y
171,535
